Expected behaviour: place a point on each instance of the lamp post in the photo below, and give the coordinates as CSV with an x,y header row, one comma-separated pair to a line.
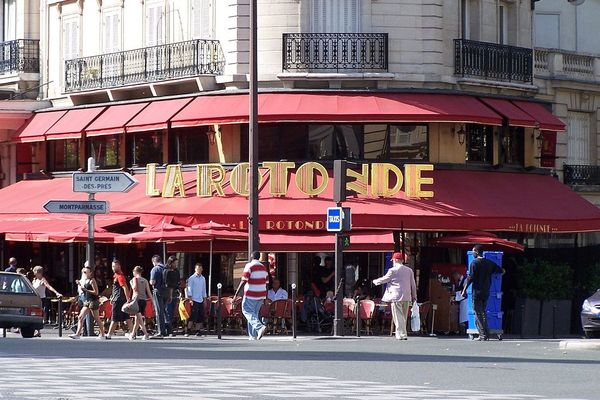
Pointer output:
x,y
253,239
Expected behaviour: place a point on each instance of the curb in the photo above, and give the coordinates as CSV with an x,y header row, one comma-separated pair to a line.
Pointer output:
x,y
582,344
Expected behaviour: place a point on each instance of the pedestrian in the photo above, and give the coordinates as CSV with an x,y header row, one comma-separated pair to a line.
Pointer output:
x,y
481,278
254,278
172,282
120,295
401,291
40,284
141,291
12,265
159,296
91,303
196,293
458,283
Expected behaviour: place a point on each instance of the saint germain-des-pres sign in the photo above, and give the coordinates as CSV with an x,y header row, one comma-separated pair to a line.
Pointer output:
x,y
311,178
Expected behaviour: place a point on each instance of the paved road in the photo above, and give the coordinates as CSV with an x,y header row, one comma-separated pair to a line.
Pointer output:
x,y
376,367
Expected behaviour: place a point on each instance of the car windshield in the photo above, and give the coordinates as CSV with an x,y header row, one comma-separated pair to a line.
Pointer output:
x,y
14,284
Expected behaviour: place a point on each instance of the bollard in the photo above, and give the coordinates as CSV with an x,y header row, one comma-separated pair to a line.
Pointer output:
x,y
59,317
357,312
522,320
294,297
219,310
554,321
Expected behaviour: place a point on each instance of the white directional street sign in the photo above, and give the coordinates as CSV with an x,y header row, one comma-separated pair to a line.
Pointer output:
x,y
96,182
77,207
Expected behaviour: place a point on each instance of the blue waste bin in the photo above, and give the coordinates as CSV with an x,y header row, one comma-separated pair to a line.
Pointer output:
x,y
494,306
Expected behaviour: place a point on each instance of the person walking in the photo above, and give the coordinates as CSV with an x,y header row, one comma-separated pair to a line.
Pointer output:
x,y
196,293
481,278
159,296
141,292
172,283
40,284
254,278
401,291
91,303
120,295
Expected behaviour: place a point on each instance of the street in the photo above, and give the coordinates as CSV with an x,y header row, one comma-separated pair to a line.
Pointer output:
x,y
277,367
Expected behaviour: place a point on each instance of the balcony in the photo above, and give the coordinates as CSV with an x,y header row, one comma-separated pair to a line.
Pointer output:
x,y
566,65
145,65
20,56
491,61
586,175
335,52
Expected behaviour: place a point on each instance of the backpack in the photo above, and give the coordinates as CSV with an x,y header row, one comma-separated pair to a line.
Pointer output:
x,y
171,278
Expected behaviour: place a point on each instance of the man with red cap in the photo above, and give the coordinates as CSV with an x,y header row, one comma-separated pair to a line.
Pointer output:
x,y
401,291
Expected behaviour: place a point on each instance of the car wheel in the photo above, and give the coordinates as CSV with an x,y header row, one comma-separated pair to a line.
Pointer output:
x,y
591,334
27,332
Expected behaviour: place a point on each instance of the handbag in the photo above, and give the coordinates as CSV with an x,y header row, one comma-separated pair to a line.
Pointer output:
x,y
415,318
131,307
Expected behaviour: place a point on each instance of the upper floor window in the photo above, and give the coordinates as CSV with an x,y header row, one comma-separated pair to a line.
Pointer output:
x,y
189,145
155,24
144,148
63,155
479,143
502,23
201,19
335,16
105,149
512,146
465,20
111,26
9,20
70,37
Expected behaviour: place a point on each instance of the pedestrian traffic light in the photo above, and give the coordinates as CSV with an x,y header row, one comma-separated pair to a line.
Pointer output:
x,y
346,181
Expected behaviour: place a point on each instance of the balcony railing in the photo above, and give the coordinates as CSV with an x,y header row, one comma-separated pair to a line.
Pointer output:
x,y
148,64
22,55
581,174
554,63
493,61
337,52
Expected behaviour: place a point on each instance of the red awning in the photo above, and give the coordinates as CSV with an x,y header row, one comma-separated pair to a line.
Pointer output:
x,y
156,115
489,241
13,119
541,114
514,115
71,126
113,120
464,201
337,107
37,126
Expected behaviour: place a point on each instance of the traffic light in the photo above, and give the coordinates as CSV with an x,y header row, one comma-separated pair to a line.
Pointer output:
x,y
348,182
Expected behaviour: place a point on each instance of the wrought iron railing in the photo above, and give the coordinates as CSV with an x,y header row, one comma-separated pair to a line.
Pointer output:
x,y
492,61
148,64
21,55
581,174
335,51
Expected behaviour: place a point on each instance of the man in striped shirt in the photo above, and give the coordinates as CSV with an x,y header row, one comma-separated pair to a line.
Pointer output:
x,y
255,277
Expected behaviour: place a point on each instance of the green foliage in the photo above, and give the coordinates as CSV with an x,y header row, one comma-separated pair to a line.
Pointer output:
x,y
543,280
591,281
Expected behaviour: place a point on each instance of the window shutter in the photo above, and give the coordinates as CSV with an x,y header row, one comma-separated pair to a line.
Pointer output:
x,y
335,16
70,38
578,138
111,32
201,17
154,24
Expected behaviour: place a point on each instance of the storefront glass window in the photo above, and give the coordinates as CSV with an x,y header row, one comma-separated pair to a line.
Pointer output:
x,y
396,142
64,154
105,149
328,142
479,143
144,148
189,145
512,146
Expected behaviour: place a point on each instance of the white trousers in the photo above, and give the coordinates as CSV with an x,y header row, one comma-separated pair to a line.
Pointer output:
x,y
399,314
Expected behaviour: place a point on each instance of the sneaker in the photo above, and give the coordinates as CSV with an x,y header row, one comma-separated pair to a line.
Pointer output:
x,y
251,338
260,332
127,335
107,337
75,336
186,335
101,337
145,337
198,333
131,337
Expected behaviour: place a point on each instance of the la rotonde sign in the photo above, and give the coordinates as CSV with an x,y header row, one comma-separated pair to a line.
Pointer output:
x,y
311,178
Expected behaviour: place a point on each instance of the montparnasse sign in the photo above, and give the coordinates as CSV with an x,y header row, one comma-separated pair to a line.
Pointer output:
x,y
310,178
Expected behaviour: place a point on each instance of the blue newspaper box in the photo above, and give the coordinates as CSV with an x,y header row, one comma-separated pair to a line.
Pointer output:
x,y
494,306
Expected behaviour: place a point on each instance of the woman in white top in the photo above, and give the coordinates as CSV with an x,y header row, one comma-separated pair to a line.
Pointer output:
x,y
40,284
141,292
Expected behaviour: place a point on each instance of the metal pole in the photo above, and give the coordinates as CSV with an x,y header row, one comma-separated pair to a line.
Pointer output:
x,y
210,263
338,328
522,321
253,239
59,317
219,310
554,321
357,312
90,242
294,297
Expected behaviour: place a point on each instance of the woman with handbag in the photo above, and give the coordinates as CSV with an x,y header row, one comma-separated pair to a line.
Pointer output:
x,y
89,288
142,294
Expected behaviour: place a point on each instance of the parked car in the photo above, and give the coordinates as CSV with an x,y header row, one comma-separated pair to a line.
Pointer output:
x,y
20,306
590,315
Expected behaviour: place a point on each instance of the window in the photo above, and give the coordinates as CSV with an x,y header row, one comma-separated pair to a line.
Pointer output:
x,y
578,138
105,149
70,37
479,143
409,142
547,31
328,142
111,25
201,19
189,145
155,26
465,29
63,155
512,146
10,20
144,148
502,24
335,16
